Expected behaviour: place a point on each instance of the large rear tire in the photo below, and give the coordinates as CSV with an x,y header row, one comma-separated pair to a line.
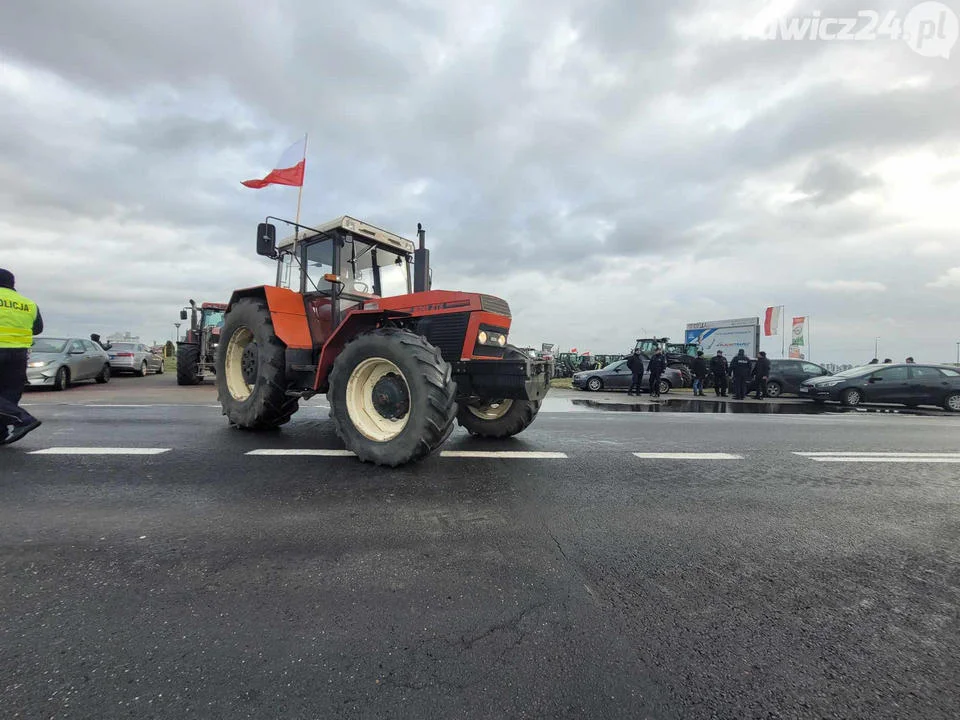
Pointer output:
x,y
188,365
251,369
392,397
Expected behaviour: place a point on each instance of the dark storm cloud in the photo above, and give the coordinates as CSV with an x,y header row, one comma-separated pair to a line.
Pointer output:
x,y
828,181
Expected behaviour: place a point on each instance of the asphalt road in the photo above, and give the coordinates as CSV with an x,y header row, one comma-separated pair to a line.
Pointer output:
x,y
573,578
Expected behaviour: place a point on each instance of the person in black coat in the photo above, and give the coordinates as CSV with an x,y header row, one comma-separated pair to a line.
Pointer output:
x,y
740,370
699,370
656,367
761,372
635,363
718,367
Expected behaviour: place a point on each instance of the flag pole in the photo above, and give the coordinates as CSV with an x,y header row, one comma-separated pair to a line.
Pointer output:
x,y
296,229
809,339
783,332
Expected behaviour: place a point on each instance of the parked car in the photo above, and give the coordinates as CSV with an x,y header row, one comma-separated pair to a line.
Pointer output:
x,y
136,358
617,376
787,376
58,362
903,384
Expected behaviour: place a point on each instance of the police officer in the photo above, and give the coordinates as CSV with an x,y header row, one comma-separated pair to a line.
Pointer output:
x,y
740,369
635,363
656,367
761,371
19,321
718,367
699,370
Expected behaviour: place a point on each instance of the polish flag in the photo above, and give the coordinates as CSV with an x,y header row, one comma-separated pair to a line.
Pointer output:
x,y
771,321
288,170
573,350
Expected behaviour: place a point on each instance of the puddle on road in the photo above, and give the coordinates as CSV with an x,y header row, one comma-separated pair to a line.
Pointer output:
x,y
718,407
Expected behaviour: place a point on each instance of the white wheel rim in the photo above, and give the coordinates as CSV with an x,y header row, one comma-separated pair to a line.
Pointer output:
x,y
491,411
954,402
594,384
363,413
233,364
773,390
853,397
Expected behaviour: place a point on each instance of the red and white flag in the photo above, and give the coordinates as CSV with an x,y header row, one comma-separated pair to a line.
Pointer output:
x,y
288,170
771,321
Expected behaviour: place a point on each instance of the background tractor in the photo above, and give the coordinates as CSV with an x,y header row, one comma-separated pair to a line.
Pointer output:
x,y
679,355
196,353
399,362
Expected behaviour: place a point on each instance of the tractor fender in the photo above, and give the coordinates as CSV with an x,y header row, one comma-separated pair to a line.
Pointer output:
x,y
286,311
355,323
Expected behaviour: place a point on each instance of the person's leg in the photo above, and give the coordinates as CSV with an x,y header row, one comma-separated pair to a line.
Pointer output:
x,y
13,376
717,382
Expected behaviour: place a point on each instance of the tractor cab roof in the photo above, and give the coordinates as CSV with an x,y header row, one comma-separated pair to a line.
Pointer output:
x,y
213,306
365,231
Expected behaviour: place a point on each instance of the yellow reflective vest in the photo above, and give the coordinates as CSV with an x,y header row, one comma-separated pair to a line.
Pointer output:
x,y
17,315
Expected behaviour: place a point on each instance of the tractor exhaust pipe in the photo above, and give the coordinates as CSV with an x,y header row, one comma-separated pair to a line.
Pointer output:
x,y
421,263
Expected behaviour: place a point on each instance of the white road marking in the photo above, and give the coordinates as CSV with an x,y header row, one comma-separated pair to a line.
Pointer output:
x,y
879,454
881,457
99,451
687,456
517,454
304,451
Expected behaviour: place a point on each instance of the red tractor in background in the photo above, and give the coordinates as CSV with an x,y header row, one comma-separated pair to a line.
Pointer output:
x,y
399,362
197,352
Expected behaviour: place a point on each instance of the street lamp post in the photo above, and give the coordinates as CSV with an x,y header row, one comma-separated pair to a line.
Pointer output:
x,y
958,353
177,336
876,347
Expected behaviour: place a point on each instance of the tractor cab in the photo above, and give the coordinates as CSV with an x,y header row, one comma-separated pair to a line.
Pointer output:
x,y
343,265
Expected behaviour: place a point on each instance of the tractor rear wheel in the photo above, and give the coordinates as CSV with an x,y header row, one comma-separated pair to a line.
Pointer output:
x,y
188,365
499,418
251,369
392,397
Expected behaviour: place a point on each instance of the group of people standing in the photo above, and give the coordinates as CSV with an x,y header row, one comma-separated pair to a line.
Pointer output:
x,y
658,363
739,370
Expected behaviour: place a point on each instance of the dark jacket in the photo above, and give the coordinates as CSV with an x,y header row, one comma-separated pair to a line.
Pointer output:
x,y
635,363
699,368
718,365
740,366
762,368
657,365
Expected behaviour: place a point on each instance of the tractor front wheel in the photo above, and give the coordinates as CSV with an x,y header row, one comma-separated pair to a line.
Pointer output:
x,y
497,418
392,397
251,369
500,418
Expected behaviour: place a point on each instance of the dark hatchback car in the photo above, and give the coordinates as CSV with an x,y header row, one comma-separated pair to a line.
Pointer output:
x,y
906,384
787,376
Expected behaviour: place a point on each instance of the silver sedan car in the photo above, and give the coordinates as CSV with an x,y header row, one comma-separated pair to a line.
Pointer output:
x,y
617,376
134,357
58,362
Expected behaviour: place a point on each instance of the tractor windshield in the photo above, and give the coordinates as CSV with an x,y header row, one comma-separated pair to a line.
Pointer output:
x,y
213,318
368,269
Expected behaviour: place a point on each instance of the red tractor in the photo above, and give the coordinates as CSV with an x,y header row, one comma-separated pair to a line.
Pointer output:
x,y
197,352
399,362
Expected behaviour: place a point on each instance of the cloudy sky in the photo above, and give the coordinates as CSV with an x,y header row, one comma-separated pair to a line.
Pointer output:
x,y
611,167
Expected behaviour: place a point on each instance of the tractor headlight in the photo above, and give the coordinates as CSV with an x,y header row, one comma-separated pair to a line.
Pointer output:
x,y
492,337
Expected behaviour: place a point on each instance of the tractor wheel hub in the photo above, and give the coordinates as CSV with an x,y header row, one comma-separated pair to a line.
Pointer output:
x,y
390,397
248,364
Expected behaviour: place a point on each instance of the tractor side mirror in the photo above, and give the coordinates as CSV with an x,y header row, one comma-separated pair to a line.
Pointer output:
x,y
183,314
267,240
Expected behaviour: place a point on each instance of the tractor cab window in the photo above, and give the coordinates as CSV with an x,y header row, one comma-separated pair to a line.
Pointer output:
x,y
213,318
317,262
373,270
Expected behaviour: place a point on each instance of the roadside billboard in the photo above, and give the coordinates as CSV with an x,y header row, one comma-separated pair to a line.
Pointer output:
x,y
726,335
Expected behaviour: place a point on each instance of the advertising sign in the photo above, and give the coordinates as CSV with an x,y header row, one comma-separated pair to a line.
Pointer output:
x,y
798,323
727,335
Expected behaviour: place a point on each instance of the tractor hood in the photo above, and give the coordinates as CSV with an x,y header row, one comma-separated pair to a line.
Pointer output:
x,y
440,301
